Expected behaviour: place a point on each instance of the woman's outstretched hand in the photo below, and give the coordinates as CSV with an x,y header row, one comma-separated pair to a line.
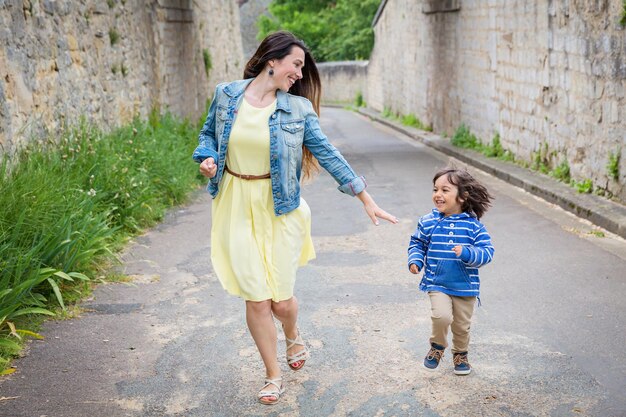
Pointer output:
x,y
373,211
208,168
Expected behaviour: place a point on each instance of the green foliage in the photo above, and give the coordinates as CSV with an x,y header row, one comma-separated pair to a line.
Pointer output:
x,y
114,36
540,159
388,113
613,165
69,203
414,121
583,187
463,138
208,62
508,156
623,19
358,100
111,3
561,171
495,150
334,30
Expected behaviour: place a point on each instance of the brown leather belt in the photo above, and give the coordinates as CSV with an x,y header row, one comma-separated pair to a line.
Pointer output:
x,y
247,177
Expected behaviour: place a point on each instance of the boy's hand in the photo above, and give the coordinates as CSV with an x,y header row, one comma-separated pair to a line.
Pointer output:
x,y
457,250
414,269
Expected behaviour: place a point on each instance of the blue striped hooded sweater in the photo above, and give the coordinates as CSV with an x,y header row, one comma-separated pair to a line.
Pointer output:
x,y
432,244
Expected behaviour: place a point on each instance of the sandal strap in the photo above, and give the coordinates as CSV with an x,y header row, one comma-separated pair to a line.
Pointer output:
x,y
298,356
278,383
293,342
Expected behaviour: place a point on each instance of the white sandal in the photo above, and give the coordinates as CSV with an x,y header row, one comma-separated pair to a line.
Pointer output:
x,y
263,393
300,356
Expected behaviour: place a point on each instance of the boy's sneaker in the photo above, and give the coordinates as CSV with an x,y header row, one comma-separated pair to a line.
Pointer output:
x,y
432,359
461,364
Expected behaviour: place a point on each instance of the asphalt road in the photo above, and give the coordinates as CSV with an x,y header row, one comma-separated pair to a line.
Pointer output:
x,y
548,339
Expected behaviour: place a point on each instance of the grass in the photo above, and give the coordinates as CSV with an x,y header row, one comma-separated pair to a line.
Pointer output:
x,y
406,119
561,172
114,36
208,62
359,101
612,167
69,203
541,160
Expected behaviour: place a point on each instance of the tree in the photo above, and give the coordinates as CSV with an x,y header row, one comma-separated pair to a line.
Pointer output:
x,y
334,30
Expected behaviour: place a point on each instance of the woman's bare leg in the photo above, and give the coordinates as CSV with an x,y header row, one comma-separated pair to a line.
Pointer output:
x,y
287,313
263,331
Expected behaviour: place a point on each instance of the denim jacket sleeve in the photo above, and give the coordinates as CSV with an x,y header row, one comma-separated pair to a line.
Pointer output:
x,y
207,142
329,157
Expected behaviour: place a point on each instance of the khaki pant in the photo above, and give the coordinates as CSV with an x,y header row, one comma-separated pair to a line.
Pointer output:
x,y
447,311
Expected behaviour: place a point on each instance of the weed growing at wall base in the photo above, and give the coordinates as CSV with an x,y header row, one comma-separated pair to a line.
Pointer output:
x,y
612,167
358,100
208,63
68,205
541,160
408,120
114,36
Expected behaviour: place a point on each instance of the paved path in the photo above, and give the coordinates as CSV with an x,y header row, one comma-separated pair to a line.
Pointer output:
x,y
548,341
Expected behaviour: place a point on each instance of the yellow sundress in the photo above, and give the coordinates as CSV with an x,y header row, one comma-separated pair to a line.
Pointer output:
x,y
256,254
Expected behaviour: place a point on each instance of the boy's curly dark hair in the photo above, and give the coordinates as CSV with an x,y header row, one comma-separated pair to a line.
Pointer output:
x,y
476,198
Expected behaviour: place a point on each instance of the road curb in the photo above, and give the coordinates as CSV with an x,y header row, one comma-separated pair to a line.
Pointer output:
x,y
598,210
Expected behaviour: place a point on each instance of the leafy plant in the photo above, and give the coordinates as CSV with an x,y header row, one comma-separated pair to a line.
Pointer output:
x,y
463,138
114,36
412,120
358,100
208,63
561,172
612,166
70,202
541,159
584,187
388,113
495,150
334,30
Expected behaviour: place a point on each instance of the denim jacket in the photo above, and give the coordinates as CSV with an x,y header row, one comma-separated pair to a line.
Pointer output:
x,y
293,124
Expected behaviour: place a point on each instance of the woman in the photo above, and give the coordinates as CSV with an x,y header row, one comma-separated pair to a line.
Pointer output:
x,y
256,144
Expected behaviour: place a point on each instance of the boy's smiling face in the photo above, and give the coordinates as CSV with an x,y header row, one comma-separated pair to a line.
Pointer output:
x,y
446,197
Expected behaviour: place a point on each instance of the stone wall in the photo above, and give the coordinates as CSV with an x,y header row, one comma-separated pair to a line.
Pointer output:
x,y
249,13
109,61
548,76
342,81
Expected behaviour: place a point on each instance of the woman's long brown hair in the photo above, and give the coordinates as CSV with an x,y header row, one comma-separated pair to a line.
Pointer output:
x,y
277,46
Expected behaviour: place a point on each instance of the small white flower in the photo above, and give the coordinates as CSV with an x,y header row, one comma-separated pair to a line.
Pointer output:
x,y
91,193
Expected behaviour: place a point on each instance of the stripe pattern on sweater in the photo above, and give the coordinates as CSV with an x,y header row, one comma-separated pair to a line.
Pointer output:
x,y
432,244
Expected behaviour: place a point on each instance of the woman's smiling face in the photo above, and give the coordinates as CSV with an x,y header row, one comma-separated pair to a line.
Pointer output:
x,y
289,69
446,197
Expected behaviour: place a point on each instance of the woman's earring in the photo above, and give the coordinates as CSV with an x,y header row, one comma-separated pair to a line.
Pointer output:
x,y
271,71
